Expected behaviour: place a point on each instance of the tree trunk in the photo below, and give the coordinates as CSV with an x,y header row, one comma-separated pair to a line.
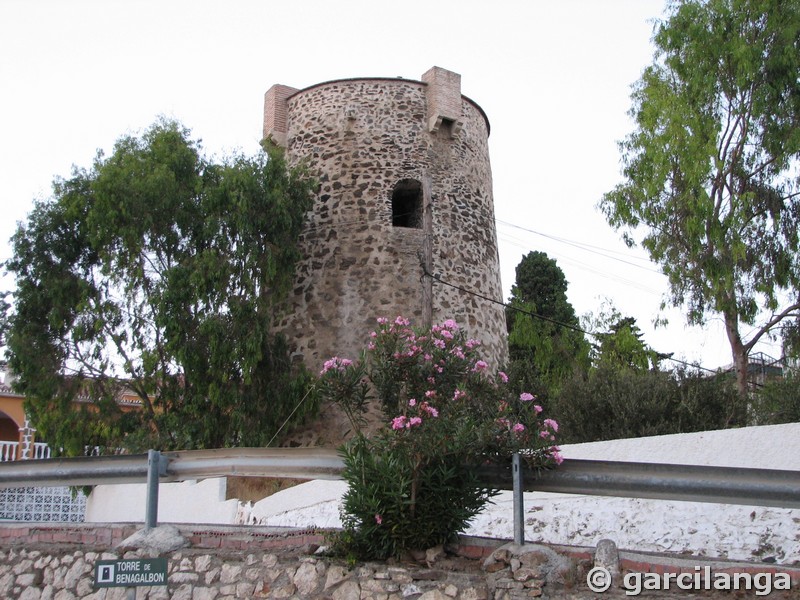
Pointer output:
x,y
739,352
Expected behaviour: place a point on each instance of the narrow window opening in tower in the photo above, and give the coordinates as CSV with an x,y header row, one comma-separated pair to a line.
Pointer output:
x,y
407,204
446,128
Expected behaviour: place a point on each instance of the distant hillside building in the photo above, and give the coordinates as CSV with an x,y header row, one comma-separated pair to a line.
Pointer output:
x,y
405,194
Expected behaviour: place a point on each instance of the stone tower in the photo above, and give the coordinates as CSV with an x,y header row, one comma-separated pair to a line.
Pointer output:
x,y
405,193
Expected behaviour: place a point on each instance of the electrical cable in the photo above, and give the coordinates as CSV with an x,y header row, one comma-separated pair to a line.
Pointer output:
x,y
664,356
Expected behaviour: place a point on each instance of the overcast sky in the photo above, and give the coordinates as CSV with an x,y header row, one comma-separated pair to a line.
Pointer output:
x,y
554,78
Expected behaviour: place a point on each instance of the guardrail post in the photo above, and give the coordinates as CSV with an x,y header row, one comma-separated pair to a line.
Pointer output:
x,y
153,472
519,503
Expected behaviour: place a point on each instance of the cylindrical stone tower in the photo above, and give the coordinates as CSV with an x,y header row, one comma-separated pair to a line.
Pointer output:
x,y
404,221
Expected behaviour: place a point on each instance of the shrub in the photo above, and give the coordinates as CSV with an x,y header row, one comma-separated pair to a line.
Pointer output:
x,y
778,401
412,483
612,404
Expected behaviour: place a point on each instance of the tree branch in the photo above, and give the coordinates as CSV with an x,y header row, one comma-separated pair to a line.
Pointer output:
x,y
787,312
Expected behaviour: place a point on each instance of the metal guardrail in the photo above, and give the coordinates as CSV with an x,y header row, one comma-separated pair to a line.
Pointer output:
x,y
658,481
759,487
728,485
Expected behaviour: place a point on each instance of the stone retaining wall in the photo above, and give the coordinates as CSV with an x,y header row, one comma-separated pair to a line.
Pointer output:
x,y
221,563
43,562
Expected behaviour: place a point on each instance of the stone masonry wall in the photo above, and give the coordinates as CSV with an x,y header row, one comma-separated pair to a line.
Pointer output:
x,y
44,563
40,562
361,137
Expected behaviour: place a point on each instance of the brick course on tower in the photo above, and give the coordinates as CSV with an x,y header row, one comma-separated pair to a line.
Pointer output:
x,y
405,190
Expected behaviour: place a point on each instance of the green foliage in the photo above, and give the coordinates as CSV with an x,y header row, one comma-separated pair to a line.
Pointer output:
x,y
618,341
612,403
778,401
710,169
412,484
396,502
156,274
546,350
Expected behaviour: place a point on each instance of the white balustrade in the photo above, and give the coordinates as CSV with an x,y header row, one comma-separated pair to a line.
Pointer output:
x,y
8,451
41,450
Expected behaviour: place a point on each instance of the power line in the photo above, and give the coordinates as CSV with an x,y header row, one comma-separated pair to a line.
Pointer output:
x,y
438,279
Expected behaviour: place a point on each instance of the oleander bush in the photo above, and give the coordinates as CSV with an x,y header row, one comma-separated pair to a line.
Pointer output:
x,y
413,482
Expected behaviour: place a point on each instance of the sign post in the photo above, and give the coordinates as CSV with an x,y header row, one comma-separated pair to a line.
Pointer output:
x,y
130,573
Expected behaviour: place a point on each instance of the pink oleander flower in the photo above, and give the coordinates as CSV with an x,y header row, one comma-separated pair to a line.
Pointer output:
x,y
503,377
458,352
440,344
537,409
382,320
371,346
428,357
450,324
473,343
504,422
402,322
555,453
335,363
459,394
431,380
479,366
430,394
518,428
412,402
413,421
430,410
399,422
551,424
378,519
526,397
446,334
373,334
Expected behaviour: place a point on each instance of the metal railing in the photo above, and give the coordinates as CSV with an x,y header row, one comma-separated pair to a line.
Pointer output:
x,y
727,485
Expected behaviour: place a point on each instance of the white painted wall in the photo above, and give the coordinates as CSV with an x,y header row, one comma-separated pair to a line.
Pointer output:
x,y
765,447
184,502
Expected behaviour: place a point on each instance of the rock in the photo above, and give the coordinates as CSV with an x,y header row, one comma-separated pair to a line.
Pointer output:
x,y
428,575
158,540
434,554
204,593
607,556
433,595
336,574
30,593
74,573
475,593
306,579
182,593
349,590
284,591
202,563
493,566
230,573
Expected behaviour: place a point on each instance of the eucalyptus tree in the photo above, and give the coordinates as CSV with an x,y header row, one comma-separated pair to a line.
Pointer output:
x,y
154,275
711,168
